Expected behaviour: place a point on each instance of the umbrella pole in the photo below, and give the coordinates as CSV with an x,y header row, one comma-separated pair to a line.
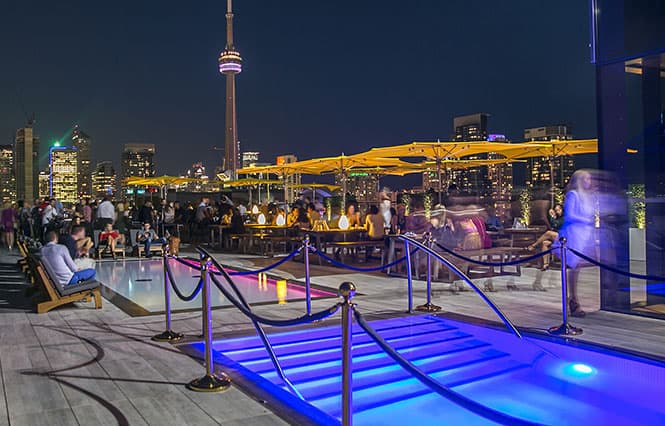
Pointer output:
x,y
551,181
438,171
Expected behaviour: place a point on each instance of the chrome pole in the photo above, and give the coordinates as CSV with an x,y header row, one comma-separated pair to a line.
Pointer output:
x,y
347,290
429,307
409,284
564,329
308,295
168,335
211,382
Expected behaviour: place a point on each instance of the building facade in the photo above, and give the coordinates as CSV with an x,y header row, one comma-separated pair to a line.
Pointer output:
x,y
44,185
290,193
82,142
549,172
104,180
26,160
628,50
250,158
63,161
137,160
7,178
474,180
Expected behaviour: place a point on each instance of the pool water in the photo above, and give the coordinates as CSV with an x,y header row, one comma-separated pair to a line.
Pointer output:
x,y
142,283
544,381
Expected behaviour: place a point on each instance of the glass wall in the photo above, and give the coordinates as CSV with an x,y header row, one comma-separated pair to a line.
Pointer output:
x,y
629,51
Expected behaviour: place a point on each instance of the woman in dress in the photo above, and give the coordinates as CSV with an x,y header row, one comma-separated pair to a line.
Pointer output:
x,y
579,229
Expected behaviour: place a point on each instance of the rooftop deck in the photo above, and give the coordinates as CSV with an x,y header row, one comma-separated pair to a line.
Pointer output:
x,y
77,365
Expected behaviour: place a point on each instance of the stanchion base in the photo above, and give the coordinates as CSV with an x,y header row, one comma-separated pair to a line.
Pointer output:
x,y
215,383
565,330
428,307
167,336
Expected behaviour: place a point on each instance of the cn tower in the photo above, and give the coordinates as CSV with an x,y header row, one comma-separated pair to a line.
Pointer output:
x,y
230,64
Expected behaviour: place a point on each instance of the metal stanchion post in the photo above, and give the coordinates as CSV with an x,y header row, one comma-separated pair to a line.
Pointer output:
x,y
211,382
308,295
429,307
347,290
168,335
564,329
409,283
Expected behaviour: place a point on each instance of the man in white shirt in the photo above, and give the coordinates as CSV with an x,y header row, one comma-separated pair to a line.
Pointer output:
x,y
49,212
59,263
105,213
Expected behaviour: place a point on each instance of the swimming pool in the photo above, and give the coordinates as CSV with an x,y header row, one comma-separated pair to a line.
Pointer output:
x,y
545,381
140,287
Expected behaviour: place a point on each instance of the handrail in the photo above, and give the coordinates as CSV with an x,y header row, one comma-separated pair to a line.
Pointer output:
x,y
466,279
441,389
257,326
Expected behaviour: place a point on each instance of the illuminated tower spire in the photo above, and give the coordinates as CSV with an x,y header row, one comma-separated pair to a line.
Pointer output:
x,y
230,64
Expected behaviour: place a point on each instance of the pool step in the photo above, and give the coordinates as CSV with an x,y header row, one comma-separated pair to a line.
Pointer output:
x,y
311,360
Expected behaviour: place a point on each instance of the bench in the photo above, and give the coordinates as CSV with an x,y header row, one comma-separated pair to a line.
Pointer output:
x,y
353,246
61,295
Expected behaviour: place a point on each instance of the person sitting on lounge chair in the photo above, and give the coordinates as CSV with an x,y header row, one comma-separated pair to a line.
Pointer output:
x,y
147,236
59,263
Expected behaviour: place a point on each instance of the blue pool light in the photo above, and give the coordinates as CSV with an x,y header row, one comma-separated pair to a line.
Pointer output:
x,y
580,370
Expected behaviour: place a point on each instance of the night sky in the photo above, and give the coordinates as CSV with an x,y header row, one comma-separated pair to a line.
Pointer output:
x,y
319,78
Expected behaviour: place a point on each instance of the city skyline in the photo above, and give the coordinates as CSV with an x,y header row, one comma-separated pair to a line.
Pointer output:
x,y
341,91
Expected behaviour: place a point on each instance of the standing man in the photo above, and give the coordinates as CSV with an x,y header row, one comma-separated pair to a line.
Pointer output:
x,y
59,263
105,213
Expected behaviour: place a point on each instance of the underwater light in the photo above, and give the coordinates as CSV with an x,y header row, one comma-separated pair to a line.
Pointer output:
x,y
580,370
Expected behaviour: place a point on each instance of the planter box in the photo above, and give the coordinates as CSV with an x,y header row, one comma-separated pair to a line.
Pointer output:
x,y
638,247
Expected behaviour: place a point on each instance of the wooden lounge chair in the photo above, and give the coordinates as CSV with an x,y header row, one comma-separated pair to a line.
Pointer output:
x,y
61,295
100,250
140,248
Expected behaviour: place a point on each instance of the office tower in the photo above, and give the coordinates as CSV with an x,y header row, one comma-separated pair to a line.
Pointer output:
x,y
546,172
104,180
197,171
474,180
44,185
26,158
137,160
363,186
250,158
7,179
82,142
230,64
63,161
290,193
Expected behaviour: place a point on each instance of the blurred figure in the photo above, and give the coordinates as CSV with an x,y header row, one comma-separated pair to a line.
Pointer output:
x,y
353,216
7,222
579,229
374,224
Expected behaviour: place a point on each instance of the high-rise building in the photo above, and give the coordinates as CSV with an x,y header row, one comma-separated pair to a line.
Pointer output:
x,y
197,171
82,142
63,161
26,159
363,186
7,178
104,180
230,64
44,188
250,158
474,180
290,180
138,160
546,172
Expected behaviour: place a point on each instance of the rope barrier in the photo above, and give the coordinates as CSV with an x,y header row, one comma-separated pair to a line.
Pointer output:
x,y
615,270
509,263
441,389
290,256
175,288
305,319
355,268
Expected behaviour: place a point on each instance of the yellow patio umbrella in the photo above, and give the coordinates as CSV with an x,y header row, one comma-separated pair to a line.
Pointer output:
x,y
252,182
439,151
327,186
161,181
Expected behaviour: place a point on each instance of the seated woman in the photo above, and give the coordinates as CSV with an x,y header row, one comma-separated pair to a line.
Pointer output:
x,y
546,240
109,238
353,216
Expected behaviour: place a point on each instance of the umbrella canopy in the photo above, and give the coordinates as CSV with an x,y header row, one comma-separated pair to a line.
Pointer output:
x,y
439,150
159,180
251,182
327,186
277,169
551,148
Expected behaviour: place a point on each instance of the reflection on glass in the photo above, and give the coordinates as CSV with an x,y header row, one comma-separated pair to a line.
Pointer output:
x,y
280,285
